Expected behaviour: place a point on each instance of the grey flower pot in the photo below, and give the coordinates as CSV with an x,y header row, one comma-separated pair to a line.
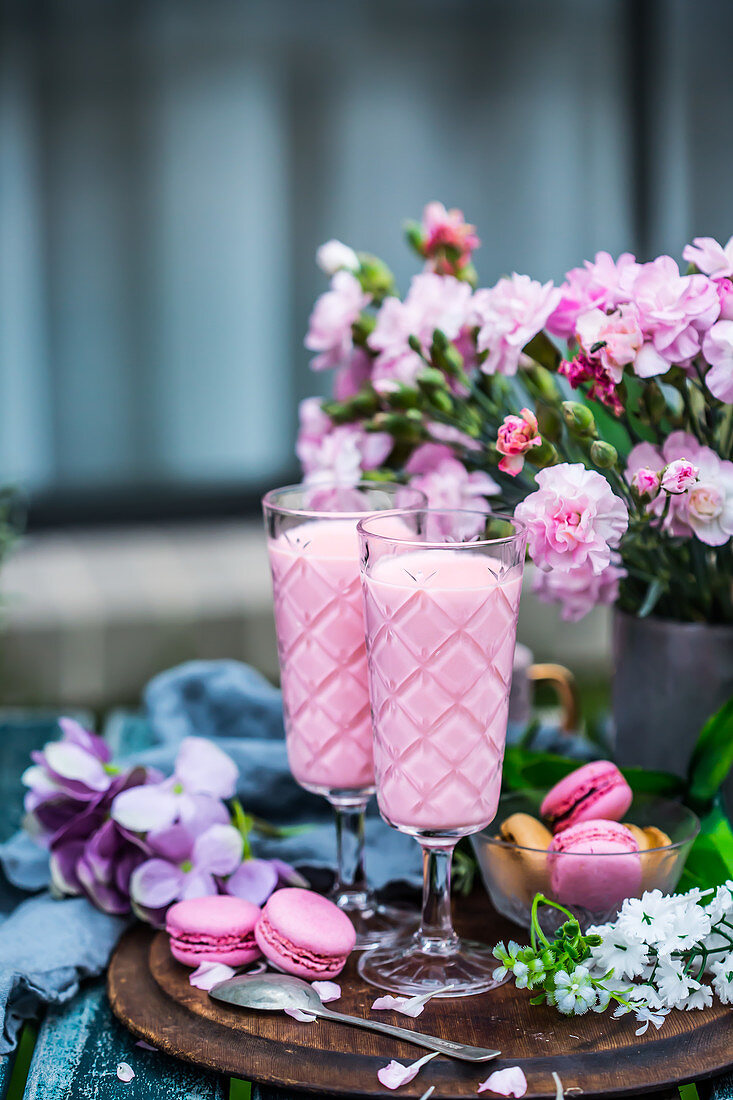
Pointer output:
x,y
669,677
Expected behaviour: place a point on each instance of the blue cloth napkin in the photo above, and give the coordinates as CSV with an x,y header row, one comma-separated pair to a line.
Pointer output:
x,y
48,946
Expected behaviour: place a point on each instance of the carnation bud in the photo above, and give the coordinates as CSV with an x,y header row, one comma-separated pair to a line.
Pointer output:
x,y
544,455
645,482
442,401
415,237
578,418
440,340
603,455
430,378
375,277
398,425
679,476
403,397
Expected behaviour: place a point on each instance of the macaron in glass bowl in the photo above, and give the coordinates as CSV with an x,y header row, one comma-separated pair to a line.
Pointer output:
x,y
590,868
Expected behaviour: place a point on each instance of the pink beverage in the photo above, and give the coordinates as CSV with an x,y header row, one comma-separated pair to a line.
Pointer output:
x,y
320,638
441,631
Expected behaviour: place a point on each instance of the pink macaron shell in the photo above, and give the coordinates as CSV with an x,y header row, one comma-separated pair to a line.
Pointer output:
x,y
594,865
593,791
213,929
305,934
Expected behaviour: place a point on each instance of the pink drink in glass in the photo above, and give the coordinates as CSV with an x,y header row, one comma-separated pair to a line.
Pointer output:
x,y
441,631
320,635
319,618
440,610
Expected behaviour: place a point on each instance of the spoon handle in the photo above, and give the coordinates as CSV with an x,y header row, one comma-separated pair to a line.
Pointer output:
x,y
461,1051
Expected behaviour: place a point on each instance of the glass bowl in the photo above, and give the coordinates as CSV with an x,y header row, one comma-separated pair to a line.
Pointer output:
x,y
513,875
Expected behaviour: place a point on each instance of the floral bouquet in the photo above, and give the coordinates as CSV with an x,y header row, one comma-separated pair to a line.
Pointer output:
x,y
132,839
600,410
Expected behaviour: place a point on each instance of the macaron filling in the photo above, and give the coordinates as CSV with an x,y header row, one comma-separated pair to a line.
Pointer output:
x,y
595,787
295,954
197,943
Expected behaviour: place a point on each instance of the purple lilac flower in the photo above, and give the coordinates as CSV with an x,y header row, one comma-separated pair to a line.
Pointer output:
x,y
184,865
202,772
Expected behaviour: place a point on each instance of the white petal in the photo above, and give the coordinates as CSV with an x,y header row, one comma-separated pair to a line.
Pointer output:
x,y
327,991
218,850
144,809
301,1017
73,763
507,1082
210,974
125,1072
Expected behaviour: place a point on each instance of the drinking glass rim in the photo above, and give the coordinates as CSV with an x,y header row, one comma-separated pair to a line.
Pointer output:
x,y
268,501
519,525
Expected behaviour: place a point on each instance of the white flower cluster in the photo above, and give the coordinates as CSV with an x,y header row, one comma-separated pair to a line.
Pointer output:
x,y
678,950
663,951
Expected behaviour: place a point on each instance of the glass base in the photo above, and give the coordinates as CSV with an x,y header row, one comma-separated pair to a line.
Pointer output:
x,y
411,971
376,925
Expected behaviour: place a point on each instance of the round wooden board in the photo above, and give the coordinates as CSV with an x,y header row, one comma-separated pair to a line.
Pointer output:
x,y
595,1055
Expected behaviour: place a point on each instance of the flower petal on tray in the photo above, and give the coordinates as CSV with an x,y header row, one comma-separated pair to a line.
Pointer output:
x,y
301,1017
125,1072
327,991
395,1074
210,974
507,1082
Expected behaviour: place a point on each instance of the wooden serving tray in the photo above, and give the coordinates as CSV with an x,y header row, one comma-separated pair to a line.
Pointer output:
x,y
594,1055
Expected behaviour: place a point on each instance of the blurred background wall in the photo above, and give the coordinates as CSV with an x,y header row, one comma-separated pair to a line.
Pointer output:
x,y
167,170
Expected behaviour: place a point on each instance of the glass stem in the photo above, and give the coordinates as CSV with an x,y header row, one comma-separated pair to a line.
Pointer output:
x,y
350,889
436,935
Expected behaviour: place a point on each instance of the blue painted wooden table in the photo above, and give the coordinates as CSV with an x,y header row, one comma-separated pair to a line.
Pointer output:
x,y
74,1050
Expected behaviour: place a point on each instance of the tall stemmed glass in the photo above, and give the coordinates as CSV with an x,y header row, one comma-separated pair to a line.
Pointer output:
x,y
319,621
441,604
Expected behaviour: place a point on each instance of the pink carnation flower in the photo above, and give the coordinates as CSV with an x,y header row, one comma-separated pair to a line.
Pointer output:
x,y
508,316
350,378
619,333
433,301
706,509
679,476
646,481
434,469
595,284
516,435
717,347
586,368
579,590
713,259
572,518
338,453
447,230
329,328
674,313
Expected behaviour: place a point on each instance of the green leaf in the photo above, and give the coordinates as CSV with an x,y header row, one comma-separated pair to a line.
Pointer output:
x,y
710,862
712,757
653,592
646,781
539,770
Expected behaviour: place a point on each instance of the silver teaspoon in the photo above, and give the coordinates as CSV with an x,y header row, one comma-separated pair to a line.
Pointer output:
x,y
276,992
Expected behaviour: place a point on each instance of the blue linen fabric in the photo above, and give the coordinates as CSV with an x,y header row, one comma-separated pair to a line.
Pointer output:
x,y
48,945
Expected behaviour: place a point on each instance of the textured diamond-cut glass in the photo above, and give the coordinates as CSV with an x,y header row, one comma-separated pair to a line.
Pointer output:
x,y
440,609
319,620
441,662
320,634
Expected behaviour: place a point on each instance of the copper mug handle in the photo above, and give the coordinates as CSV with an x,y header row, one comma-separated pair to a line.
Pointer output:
x,y
564,684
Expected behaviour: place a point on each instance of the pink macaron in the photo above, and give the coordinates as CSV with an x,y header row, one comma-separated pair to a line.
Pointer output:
x,y
596,790
595,865
305,934
215,929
